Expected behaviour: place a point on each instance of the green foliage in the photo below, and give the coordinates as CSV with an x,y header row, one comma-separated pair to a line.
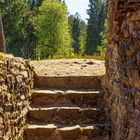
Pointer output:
x,y
40,29
13,16
18,28
78,33
97,15
82,38
102,48
75,30
52,30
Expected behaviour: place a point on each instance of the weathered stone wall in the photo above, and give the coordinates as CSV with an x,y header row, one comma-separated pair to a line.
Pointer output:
x,y
15,82
123,69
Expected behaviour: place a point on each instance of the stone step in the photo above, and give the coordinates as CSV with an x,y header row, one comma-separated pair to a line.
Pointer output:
x,y
68,82
66,115
52,97
57,132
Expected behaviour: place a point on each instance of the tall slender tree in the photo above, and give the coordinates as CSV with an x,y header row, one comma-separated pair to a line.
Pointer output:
x,y
102,48
82,38
78,33
75,31
97,16
2,41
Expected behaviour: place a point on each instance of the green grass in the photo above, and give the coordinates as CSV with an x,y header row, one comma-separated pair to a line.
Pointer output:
x,y
94,56
97,57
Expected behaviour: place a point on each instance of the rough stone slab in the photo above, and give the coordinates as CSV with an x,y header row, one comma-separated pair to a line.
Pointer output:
x,y
66,115
57,132
68,82
52,97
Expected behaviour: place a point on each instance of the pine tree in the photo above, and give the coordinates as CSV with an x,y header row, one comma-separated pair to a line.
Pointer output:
x,y
102,48
75,31
82,38
97,16
78,33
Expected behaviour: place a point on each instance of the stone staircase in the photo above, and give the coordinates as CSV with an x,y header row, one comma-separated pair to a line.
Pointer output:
x,y
67,108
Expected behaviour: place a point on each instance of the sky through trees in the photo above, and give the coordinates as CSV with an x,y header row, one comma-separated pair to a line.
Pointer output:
x,y
79,6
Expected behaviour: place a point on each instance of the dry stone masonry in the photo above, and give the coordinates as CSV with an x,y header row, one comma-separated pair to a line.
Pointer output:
x,y
15,82
122,83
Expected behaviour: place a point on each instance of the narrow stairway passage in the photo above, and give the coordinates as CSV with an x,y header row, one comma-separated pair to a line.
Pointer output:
x,y
67,108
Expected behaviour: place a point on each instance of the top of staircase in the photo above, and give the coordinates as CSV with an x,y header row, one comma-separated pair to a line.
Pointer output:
x,y
69,67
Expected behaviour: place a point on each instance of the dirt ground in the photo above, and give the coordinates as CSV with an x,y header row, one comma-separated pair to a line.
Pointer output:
x,y
69,67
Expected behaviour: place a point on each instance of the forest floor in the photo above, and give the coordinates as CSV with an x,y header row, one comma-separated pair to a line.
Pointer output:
x,y
69,67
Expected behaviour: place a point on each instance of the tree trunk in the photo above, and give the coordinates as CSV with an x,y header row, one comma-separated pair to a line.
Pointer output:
x,y
2,41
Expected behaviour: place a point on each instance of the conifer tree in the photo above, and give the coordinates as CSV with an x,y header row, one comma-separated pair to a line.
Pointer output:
x,y
97,16
102,48
78,33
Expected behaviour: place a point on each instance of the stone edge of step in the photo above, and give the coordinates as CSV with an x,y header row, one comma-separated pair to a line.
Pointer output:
x,y
65,108
55,91
68,127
